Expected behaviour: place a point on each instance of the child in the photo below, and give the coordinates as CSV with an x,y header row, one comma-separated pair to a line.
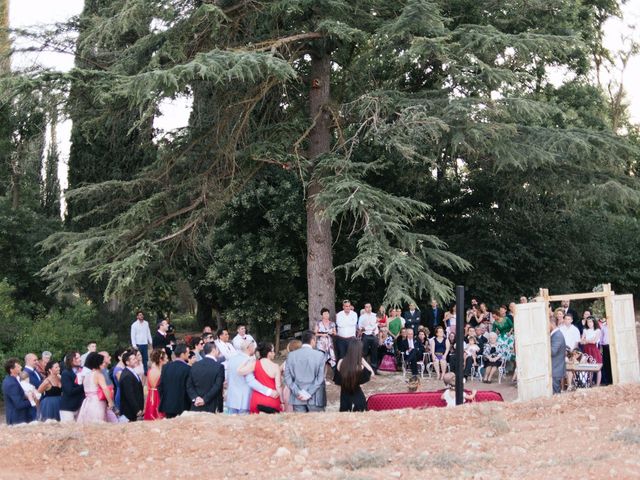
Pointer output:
x,y
471,350
29,390
449,395
574,357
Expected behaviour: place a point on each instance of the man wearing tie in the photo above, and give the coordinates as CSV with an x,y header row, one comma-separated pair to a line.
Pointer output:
x,y
413,351
17,407
35,379
131,392
412,318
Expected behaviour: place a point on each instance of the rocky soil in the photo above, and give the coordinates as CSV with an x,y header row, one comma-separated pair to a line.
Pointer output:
x,y
586,434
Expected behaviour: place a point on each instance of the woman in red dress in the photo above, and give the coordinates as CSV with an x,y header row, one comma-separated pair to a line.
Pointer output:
x,y
267,372
158,359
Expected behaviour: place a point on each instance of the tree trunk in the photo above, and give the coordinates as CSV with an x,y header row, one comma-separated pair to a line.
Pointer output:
x,y
204,312
277,342
320,276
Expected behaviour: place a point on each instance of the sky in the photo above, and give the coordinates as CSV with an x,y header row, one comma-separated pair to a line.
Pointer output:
x,y
25,13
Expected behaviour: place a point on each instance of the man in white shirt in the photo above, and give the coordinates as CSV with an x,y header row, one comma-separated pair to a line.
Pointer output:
x,y
141,338
91,347
241,337
346,321
569,331
368,328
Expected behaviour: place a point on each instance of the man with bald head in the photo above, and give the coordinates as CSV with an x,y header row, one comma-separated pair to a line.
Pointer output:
x,y
30,361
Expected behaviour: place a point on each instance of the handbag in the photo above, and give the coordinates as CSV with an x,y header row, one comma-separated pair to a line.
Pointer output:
x,y
101,396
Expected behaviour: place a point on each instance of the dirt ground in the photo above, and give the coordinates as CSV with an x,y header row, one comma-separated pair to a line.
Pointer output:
x,y
585,434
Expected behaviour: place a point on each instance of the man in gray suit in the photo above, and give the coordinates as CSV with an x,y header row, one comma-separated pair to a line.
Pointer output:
x,y
558,354
304,375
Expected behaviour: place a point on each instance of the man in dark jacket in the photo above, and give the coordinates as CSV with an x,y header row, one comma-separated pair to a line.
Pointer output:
x,y
17,407
205,381
72,389
131,392
173,388
412,351
161,338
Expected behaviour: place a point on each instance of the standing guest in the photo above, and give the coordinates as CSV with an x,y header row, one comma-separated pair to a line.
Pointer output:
x,y
139,368
412,351
51,390
267,372
523,299
292,346
30,361
304,375
473,314
325,331
17,406
450,319
204,385
570,332
161,338
173,388
567,310
396,322
94,408
368,328
351,372
35,379
381,315
512,312
91,347
72,389
241,336
225,348
206,331
132,392
197,345
439,347
558,354
104,368
141,338
606,353
42,363
590,339
412,318
171,333
435,316
240,385
484,315
158,359
346,323
115,375
31,393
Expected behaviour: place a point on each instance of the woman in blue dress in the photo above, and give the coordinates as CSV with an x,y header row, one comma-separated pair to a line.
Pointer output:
x,y
51,389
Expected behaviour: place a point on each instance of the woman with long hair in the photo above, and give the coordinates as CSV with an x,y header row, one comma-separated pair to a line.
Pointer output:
x,y
94,407
590,338
51,390
116,372
267,372
351,372
158,359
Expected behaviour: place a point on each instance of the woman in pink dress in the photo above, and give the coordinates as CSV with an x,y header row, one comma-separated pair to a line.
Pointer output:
x,y
158,358
93,409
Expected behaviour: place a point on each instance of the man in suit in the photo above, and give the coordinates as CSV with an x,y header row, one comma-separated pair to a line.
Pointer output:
x,y
161,338
72,389
17,406
304,375
412,350
558,354
205,381
435,317
173,387
131,391
240,386
35,379
412,318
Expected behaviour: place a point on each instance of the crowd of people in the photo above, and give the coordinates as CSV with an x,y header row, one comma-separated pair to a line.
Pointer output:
x,y
213,374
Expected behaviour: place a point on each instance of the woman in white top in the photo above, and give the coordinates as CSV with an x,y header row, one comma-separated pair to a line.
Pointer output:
x,y
590,340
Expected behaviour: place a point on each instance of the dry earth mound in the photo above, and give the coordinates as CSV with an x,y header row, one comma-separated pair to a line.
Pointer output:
x,y
587,434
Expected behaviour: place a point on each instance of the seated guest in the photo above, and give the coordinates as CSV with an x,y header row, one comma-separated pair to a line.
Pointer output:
x,y
482,336
451,358
471,352
412,351
386,352
439,347
351,372
492,358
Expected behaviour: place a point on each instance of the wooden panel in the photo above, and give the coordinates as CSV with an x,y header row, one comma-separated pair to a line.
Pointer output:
x,y
623,341
533,351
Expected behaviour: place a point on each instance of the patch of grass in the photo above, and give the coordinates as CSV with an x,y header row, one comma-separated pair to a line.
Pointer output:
x,y
447,461
363,459
627,435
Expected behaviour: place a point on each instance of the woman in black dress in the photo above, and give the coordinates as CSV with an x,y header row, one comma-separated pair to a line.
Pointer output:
x,y
351,372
